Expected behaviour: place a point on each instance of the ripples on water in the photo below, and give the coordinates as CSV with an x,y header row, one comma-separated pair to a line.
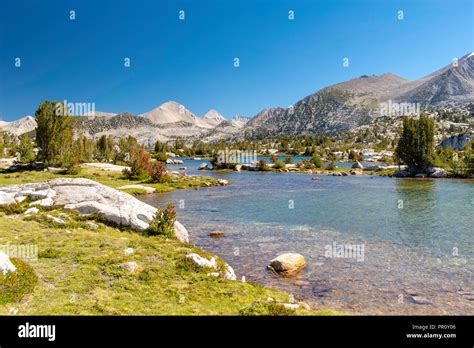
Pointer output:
x,y
417,237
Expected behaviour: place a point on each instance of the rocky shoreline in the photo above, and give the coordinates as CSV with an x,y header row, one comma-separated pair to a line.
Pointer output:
x,y
89,198
357,168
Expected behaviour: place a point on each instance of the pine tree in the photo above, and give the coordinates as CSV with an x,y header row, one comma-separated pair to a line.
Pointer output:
x,y
416,144
54,133
25,148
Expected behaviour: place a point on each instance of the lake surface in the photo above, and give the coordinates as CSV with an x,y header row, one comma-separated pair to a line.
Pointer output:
x,y
409,243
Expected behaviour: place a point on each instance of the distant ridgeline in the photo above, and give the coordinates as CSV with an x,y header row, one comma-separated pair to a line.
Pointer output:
x,y
333,110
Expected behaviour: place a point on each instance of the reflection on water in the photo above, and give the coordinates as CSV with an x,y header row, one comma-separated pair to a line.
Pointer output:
x,y
418,256
416,210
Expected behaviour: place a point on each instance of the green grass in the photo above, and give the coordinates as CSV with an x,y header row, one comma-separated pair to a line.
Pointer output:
x,y
109,178
78,274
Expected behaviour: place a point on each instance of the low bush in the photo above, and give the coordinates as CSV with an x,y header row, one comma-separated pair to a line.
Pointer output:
x,y
160,156
163,223
15,285
10,209
305,165
268,308
262,165
156,171
279,165
139,165
317,161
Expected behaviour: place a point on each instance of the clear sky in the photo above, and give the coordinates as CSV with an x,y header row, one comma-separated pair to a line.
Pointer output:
x,y
192,61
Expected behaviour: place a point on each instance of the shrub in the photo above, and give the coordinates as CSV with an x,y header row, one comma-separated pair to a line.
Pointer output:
x,y
306,165
139,165
156,171
163,223
14,285
288,160
72,165
25,149
316,160
331,166
262,165
160,156
10,209
279,165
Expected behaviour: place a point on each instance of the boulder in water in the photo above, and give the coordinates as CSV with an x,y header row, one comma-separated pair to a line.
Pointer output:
x,y
401,173
203,166
287,264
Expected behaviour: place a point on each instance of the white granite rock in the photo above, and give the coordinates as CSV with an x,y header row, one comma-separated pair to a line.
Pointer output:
x,y
5,264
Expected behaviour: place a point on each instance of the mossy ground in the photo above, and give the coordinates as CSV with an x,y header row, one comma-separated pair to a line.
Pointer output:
x,y
15,285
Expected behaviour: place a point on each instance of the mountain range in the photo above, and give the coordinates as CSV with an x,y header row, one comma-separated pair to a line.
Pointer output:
x,y
333,109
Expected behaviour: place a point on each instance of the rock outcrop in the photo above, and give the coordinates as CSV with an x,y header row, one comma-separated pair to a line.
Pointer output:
x,y
180,232
147,189
6,199
200,261
89,197
435,172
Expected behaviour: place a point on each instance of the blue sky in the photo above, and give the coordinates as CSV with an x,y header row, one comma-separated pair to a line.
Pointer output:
x,y
191,61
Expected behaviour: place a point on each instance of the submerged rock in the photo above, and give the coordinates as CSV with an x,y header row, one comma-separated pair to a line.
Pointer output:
x,y
401,173
357,165
203,166
287,264
420,300
216,234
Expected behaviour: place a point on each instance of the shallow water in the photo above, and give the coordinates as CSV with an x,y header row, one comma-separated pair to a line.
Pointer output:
x,y
416,235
